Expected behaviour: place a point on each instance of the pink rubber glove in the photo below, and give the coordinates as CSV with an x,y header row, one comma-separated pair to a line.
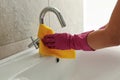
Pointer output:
x,y
66,41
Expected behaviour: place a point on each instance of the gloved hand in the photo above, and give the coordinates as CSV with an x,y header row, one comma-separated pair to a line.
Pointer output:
x,y
65,41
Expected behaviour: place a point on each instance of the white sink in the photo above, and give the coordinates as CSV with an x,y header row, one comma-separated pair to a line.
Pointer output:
x,y
103,64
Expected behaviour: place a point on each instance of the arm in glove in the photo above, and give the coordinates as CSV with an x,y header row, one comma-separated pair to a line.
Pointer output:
x,y
65,41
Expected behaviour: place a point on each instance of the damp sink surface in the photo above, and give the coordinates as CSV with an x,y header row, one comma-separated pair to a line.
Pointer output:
x,y
102,64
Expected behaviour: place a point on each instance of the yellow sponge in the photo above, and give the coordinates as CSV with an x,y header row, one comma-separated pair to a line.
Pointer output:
x,y
45,51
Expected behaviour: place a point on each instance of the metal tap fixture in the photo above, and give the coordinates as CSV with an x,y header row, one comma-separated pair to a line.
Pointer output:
x,y
41,20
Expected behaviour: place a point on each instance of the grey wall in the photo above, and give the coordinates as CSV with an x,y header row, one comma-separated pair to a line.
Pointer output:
x,y
72,11
20,19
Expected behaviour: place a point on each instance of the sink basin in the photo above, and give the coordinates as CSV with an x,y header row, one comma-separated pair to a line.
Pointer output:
x,y
102,64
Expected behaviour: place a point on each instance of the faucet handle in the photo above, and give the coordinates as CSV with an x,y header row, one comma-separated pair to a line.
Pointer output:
x,y
34,43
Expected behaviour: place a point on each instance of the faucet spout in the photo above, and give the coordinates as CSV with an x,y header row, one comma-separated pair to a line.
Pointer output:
x,y
54,10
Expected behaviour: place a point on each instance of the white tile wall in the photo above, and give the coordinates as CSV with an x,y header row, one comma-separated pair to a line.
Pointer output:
x,y
18,21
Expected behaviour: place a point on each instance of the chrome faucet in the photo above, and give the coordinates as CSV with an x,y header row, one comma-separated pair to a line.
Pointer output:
x,y
41,21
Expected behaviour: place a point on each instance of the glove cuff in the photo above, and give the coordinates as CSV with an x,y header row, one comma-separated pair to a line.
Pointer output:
x,y
79,42
85,44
